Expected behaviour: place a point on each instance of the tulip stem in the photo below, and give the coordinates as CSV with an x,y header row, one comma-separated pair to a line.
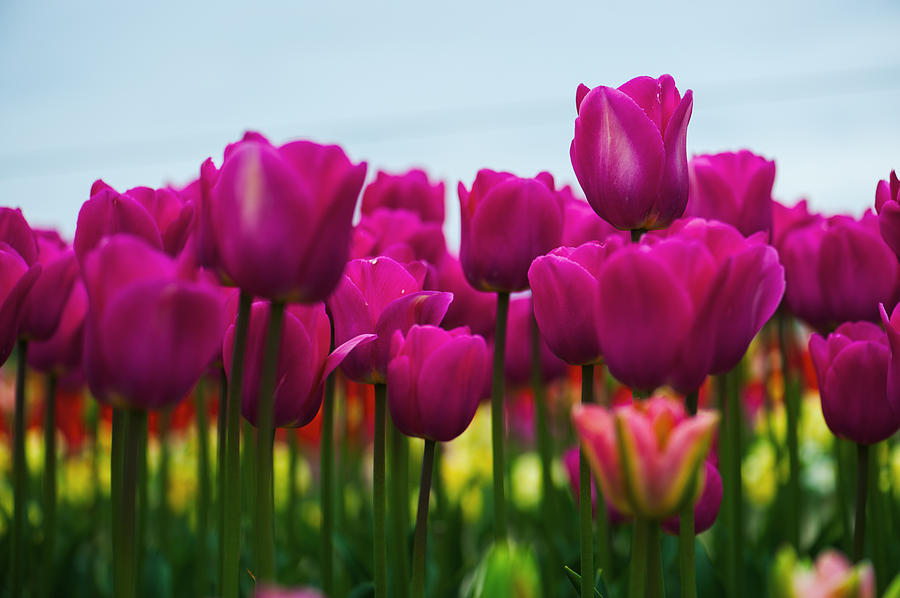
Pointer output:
x,y
117,450
399,481
220,473
327,466
731,439
49,488
688,575
792,411
379,554
584,495
862,486
655,585
135,419
497,424
203,498
162,499
636,234
20,474
418,580
142,497
231,554
265,436
638,571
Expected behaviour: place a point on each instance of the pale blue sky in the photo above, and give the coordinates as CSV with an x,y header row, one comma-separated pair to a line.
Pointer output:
x,y
142,94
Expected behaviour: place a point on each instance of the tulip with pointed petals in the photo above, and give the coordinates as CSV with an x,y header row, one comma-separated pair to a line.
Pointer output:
x,y
733,187
648,456
507,221
276,221
61,353
892,328
887,204
19,271
629,152
380,296
303,362
398,234
46,300
411,191
109,212
852,370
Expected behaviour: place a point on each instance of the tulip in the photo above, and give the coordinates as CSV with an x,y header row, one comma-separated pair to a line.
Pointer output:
x,y
892,328
19,271
517,362
581,223
838,270
173,215
507,221
629,152
435,381
400,235
733,187
277,221
59,271
706,509
411,191
785,219
380,296
470,307
832,576
109,212
887,204
304,362
61,353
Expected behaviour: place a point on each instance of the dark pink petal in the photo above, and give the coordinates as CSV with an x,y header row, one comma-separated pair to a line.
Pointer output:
x,y
674,185
108,213
889,225
48,296
16,233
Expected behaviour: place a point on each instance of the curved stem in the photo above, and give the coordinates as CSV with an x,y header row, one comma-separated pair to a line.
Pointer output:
x,y
584,495
231,497
20,474
202,574
638,572
327,467
862,486
497,425
265,436
49,488
378,498
418,579
399,481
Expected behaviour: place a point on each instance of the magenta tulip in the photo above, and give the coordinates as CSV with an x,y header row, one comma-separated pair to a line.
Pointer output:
x,y
109,212
380,296
400,235
470,307
149,334
892,328
276,221
411,191
707,506
61,353
507,221
19,271
435,381
785,219
303,362
581,223
629,152
887,204
852,371
733,187
173,215
46,300
517,363
838,270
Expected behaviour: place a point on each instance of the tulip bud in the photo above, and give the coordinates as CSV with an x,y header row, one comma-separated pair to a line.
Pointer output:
x,y
887,205
411,191
19,271
109,212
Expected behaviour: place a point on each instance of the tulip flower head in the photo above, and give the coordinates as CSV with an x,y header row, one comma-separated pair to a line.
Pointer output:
x,y
630,151
647,456
400,235
435,381
46,300
517,358
19,271
852,370
832,576
470,307
887,205
411,192
892,328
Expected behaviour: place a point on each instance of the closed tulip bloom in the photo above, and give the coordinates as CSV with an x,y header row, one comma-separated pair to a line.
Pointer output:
x,y
109,212
733,187
149,335
276,221
380,296
61,353
629,152
892,328
647,456
785,219
887,205
852,371
435,381
173,215
507,221
517,359
567,301
838,270
470,307
581,224
411,191
19,270
831,576
400,235
706,509
46,300
303,362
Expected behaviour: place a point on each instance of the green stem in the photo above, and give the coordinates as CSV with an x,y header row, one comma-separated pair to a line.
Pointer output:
x,y
655,585
327,467
117,452
584,495
418,580
162,499
293,456
792,410
49,488
202,574
265,436
878,521
143,500
636,234
20,474
730,435
862,486
231,497
497,426
221,429
843,500
688,575
379,554
638,571
135,419
399,482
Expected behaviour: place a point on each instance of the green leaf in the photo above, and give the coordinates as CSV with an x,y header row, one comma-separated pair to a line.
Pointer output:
x,y
575,580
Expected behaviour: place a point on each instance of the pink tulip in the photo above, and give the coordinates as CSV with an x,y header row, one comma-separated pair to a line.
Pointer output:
x,y
19,270
733,187
470,307
517,362
647,456
887,204
59,272
61,353
892,328
435,381
380,296
832,576
109,212
400,235
629,152
581,224
785,219
507,221
303,362
411,191
276,221
706,509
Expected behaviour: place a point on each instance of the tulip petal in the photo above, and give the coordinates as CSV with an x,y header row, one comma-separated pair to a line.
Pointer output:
x,y
674,185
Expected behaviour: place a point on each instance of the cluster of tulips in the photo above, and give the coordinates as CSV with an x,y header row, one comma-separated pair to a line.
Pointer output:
x,y
254,278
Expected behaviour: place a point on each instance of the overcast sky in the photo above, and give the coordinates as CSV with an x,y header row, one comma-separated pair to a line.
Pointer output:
x,y
141,94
